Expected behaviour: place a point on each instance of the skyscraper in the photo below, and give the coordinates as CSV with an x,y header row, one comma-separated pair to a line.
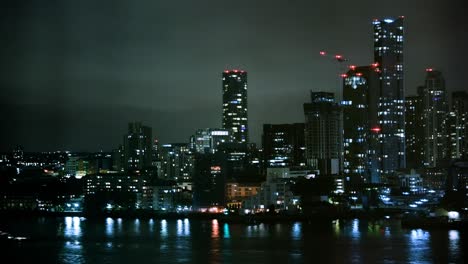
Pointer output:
x,y
435,110
360,125
137,146
323,133
235,104
388,56
414,130
283,145
458,126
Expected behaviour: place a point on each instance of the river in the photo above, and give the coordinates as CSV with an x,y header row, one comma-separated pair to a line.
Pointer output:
x,y
80,240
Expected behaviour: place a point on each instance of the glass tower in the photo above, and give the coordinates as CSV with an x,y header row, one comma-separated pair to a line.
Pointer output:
x,y
235,104
360,126
388,56
435,110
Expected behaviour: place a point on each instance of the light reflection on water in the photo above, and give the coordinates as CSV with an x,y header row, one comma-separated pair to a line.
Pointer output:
x,y
214,228
72,227
164,228
109,226
419,246
212,241
296,230
226,231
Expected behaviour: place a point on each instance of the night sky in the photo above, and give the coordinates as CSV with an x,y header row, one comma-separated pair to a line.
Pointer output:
x,y
74,73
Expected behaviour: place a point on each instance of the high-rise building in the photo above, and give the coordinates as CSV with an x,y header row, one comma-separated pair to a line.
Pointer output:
x,y
414,130
209,180
283,145
138,146
323,133
360,126
177,162
457,125
235,104
388,56
435,110
208,140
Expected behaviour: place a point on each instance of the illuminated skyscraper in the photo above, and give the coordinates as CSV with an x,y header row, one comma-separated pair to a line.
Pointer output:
x,y
283,145
137,146
458,126
235,104
414,130
388,54
360,126
435,110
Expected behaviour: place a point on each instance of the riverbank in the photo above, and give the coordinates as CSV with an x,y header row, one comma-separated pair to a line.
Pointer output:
x,y
231,218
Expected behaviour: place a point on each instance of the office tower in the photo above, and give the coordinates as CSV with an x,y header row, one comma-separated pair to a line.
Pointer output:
x,y
235,104
137,146
388,56
209,180
360,126
323,133
283,145
414,130
435,111
177,162
458,126
208,140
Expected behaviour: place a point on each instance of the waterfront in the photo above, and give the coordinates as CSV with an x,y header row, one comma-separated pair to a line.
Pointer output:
x,y
81,240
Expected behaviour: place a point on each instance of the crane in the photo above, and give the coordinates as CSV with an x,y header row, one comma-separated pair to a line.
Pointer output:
x,y
341,60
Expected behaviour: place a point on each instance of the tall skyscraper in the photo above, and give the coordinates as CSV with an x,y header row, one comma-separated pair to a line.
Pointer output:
x,y
235,104
138,146
435,110
458,126
388,56
283,145
323,133
414,130
360,126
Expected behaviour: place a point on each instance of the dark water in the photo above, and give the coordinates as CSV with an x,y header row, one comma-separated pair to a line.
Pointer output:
x,y
78,240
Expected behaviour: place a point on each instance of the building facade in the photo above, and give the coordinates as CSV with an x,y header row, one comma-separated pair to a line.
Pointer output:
x,y
283,145
138,146
457,125
414,130
388,56
323,133
208,140
360,126
235,104
435,110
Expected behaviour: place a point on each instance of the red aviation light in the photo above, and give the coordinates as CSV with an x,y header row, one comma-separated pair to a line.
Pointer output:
x,y
344,75
376,129
352,67
226,71
429,69
375,64
323,53
236,71
358,74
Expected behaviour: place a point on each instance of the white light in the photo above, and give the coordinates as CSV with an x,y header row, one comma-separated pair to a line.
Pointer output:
x,y
453,215
388,20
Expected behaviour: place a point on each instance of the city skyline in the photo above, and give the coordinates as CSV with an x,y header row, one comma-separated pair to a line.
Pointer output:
x,y
67,88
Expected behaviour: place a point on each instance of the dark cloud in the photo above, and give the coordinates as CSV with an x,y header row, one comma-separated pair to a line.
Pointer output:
x,y
100,64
